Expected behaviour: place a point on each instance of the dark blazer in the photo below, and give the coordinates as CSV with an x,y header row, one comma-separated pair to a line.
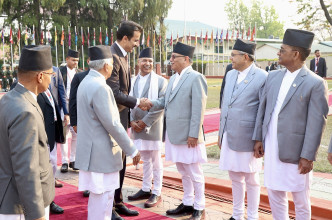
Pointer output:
x,y
26,177
54,129
228,68
321,69
73,95
120,83
58,91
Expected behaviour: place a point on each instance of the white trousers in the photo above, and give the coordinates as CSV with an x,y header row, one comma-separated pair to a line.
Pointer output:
x,y
279,204
64,147
152,169
240,182
193,183
21,216
54,159
100,205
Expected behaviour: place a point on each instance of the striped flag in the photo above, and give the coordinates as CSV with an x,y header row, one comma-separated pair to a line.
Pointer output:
x,y
94,37
100,37
253,34
195,39
82,37
18,36
26,37
62,37
11,36
69,37
171,41
148,40
206,37
76,37
106,38
143,40
217,37
211,40
55,37
111,37
221,35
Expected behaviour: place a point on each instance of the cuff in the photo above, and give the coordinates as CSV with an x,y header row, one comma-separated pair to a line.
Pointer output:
x,y
138,102
134,154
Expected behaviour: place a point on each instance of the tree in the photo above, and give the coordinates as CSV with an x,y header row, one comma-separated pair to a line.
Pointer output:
x,y
316,17
266,19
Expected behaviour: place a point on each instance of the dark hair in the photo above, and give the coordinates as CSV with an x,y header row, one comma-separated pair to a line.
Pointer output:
x,y
316,51
127,28
304,53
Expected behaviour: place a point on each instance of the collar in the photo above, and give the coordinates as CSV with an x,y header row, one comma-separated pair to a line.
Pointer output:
x,y
146,76
33,94
246,71
294,73
184,70
71,70
98,74
121,48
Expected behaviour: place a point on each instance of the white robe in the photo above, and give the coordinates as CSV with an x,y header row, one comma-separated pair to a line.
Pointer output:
x,y
279,175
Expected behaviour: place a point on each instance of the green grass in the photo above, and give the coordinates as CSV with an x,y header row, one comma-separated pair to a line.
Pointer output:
x,y
213,93
329,84
320,165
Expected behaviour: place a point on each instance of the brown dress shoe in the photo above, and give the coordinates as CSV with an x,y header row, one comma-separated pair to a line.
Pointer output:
x,y
72,165
197,215
58,184
153,201
64,168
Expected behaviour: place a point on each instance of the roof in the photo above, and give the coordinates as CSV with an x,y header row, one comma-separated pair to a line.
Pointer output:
x,y
315,46
327,43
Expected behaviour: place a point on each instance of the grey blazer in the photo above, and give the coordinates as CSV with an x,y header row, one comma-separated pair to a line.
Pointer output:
x,y
153,119
184,107
239,108
26,176
100,135
330,146
302,116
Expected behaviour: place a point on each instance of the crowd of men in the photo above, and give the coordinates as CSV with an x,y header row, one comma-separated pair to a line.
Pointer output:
x,y
47,105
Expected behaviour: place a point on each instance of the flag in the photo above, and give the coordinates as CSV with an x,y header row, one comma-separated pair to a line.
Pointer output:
x,y
248,33
82,37
55,37
221,35
159,40
100,37
206,37
211,40
253,34
106,39
201,38
88,37
232,35
143,39
177,37
189,38
11,36
217,37
33,40
18,36
195,39
243,33
62,37
69,38
227,35
42,37
94,38
76,38
48,37
237,34
154,38
112,37
148,40
26,37
171,41
182,40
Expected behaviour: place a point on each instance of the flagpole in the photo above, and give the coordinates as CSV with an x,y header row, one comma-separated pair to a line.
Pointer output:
x,y
63,45
75,39
223,52
218,44
82,48
3,45
202,52
213,55
255,38
56,47
208,58
160,51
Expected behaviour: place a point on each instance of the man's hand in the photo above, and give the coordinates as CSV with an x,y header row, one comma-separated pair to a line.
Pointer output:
x,y
329,157
137,158
75,128
258,149
141,124
305,166
219,142
66,119
145,104
135,126
192,142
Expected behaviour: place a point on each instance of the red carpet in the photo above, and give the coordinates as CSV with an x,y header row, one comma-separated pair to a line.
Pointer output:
x,y
76,206
211,123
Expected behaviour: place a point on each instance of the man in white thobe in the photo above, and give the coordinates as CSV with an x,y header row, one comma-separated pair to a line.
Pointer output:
x,y
290,122
242,93
147,127
100,136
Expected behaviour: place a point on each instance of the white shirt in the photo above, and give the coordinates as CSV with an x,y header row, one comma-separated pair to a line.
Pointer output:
x,y
33,94
50,98
70,75
141,83
242,75
277,174
178,77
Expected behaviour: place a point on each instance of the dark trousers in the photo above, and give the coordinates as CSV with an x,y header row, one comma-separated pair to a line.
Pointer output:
x,y
118,198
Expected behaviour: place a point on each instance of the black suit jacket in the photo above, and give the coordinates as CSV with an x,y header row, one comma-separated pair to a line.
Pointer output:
x,y
228,68
73,94
54,129
120,82
63,70
321,69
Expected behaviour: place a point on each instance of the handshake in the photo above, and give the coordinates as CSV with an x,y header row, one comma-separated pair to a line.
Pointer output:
x,y
145,104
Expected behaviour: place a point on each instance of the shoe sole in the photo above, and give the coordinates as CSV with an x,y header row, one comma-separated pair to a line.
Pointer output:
x,y
148,205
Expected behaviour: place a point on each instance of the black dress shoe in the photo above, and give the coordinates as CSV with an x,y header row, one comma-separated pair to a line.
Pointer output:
x,y
197,215
231,218
181,209
86,193
64,168
140,195
153,201
123,210
55,209
116,216
72,165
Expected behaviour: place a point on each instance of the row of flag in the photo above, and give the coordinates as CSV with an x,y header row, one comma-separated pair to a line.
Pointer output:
x,y
46,37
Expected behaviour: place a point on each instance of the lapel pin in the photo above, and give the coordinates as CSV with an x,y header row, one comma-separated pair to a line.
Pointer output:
x,y
294,85
245,81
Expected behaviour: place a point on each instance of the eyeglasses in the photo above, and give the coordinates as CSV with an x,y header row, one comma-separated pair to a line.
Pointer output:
x,y
235,54
52,73
173,56
282,50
